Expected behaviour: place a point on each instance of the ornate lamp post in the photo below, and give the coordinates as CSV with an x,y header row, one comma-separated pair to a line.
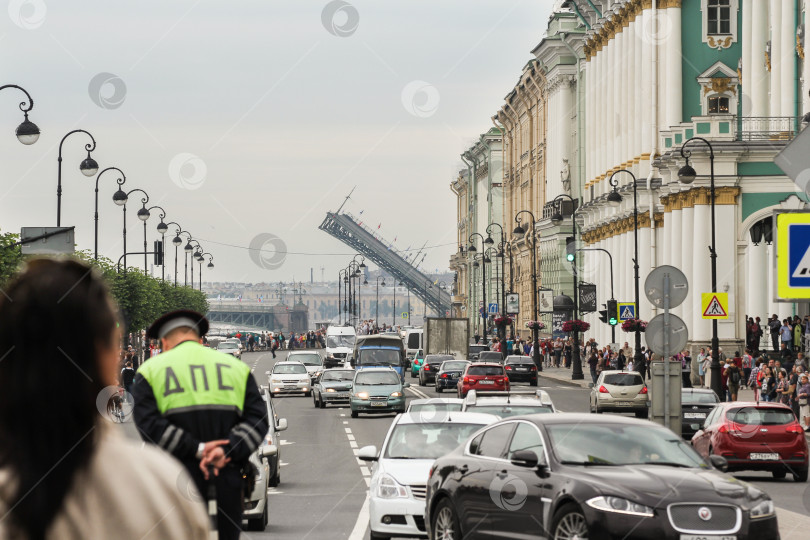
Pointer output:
x,y
120,181
162,227
27,132
687,175
499,254
340,296
472,249
162,215
176,241
188,248
88,166
519,233
201,259
576,370
120,198
193,252
615,199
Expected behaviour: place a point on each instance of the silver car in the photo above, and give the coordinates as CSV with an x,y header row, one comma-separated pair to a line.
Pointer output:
x,y
229,347
620,391
311,360
289,377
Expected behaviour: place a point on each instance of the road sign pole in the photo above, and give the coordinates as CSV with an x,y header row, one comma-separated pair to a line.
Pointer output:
x,y
667,352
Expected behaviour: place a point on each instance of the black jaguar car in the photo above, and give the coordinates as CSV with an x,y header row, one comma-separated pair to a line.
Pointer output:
x,y
567,476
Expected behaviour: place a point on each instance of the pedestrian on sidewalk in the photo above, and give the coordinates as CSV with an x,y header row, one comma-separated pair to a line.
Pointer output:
x,y
753,378
768,385
686,369
782,389
592,363
803,394
747,361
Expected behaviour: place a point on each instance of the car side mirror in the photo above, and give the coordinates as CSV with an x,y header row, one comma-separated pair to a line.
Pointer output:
x,y
281,425
268,450
267,373
525,458
368,453
719,462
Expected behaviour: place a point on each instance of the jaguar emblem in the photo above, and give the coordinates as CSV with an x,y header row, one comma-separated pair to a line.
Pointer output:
x,y
704,513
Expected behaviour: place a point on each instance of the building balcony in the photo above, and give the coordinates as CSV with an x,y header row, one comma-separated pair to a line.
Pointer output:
x,y
730,128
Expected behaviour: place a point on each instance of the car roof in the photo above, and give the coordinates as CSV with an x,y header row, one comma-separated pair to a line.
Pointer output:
x,y
519,357
446,417
697,391
297,353
760,405
376,369
448,356
338,369
288,362
497,397
486,364
435,400
612,371
584,418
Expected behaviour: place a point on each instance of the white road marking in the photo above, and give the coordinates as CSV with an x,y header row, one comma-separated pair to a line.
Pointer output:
x,y
284,442
341,414
350,436
361,525
345,421
364,470
348,430
353,444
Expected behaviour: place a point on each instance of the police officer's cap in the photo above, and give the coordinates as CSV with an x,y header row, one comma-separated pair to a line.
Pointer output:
x,y
182,318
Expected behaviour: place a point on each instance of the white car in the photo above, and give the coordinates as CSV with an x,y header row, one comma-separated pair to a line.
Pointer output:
x,y
432,405
311,360
620,391
400,472
289,377
229,347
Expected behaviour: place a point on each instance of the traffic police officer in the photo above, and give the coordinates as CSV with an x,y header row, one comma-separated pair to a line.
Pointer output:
x,y
203,407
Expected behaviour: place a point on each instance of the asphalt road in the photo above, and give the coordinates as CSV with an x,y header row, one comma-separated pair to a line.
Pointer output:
x,y
323,485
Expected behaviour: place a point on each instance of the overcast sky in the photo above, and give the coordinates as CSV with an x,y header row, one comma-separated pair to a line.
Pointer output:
x,y
250,120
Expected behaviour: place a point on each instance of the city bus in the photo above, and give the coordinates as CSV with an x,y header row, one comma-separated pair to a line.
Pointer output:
x,y
380,351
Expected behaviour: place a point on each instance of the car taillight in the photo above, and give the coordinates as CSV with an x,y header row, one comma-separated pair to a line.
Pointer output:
x,y
427,367
444,375
643,390
797,429
499,380
603,390
533,368
468,380
508,368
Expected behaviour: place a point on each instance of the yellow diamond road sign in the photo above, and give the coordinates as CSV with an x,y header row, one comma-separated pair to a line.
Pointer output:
x,y
714,305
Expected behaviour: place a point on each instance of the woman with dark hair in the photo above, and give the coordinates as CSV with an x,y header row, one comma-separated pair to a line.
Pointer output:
x,y
65,472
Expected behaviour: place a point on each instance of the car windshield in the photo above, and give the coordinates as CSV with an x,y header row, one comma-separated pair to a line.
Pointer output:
x,y
505,411
456,365
346,375
227,345
434,407
485,370
427,441
691,398
489,355
437,359
378,357
765,416
307,359
286,369
620,444
376,378
333,342
519,360
623,379
478,348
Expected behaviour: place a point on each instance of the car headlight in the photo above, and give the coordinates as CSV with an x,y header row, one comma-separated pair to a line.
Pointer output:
x,y
396,394
607,503
316,374
361,395
763,509
331,390
388,488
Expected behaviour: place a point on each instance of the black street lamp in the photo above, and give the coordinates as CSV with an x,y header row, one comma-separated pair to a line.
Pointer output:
x,y
120,198
377,307
162,227
340,296
615,199
193,252
499,254
177,241
88,166
576,370
201,260
161,215
472,249
519,233
27,132
188,248
687,175
120,181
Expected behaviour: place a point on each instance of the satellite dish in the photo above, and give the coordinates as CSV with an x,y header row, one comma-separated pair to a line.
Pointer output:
x,y
654,286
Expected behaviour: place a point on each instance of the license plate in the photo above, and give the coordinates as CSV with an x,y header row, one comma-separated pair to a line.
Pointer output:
x,y
338,396
522,369
764,457
290,387
486,382
379,404
706,537
694,415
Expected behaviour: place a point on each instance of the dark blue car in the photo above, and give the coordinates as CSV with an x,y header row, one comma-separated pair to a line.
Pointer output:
x,y
449,373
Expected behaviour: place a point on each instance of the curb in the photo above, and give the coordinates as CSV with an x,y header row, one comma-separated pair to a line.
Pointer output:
x,y
567,382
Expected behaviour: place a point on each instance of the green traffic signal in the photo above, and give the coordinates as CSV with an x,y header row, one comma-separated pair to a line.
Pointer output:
x,y
613,312
570,248
613,321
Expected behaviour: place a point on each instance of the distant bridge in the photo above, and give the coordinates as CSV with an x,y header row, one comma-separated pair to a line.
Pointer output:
x,y
270,317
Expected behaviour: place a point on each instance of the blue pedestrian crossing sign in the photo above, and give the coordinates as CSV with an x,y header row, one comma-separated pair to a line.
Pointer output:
x,y
627,311
792,255
492,308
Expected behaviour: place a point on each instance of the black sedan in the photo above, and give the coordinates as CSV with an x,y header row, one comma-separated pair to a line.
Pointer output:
x,y
566,476
696,404
430,367
449,373
520,369
474,350
333,386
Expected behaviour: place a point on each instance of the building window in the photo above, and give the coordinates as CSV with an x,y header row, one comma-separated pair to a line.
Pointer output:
x,y
718,105
719,17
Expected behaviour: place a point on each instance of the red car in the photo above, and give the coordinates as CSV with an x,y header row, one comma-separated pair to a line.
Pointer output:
x,y
755,436
482,376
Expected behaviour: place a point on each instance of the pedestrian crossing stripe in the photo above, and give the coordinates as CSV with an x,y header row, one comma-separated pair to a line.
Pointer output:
x,y
714,305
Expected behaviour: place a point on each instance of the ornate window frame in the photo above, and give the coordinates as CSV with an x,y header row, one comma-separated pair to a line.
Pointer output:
x,y
724,84
720,41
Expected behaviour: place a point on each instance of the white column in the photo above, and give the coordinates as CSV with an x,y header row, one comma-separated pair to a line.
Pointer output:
x,y
674,248
700,329
755,285
610,108
663,73
587,124
672,50
747,12
758,77
638,91
787,36
646,84
773,307
688,228
620,108
644,241
775,97
666,246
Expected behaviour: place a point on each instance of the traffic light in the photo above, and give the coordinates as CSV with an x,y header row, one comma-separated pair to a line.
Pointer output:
x,y
570,248
603,315
158,253
613,312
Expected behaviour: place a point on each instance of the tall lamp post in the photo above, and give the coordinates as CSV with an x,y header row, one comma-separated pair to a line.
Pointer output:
x,y
576,370
120,198
161,215
196,248
499,254
88,166
472,249
615,199
201,260
176,241
519,233
120,181
687,175
340,296
27,132
377,307
162,227
188,248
